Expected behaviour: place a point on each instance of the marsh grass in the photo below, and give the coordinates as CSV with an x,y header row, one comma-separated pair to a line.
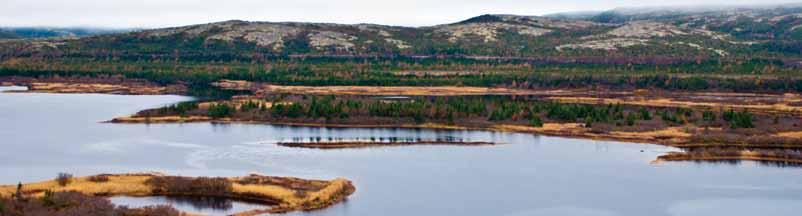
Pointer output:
x,y
281,192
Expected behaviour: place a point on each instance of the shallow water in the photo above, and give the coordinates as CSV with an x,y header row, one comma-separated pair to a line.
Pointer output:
x,y
206,205
43,134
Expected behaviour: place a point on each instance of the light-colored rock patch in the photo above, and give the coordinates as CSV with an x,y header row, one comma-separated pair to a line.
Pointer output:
x,y
548,22
374,29
788,16
700,47
488,31
192,30
263,34
646,29
608,44
398,43
338,40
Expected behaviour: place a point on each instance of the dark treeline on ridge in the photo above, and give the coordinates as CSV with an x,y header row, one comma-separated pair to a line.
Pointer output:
x,y
738,76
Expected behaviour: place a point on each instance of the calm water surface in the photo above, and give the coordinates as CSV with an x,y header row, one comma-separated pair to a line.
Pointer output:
x,y
43,134
205,205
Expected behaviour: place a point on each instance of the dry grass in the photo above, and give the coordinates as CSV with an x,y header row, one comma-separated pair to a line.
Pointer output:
x,y
392,90
129,185
678,133
724,154
782,104
792,134
71,88
277,192
667,135
546,128
161,119
296,194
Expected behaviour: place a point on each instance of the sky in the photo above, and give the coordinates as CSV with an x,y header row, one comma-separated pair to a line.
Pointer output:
x,y
167,13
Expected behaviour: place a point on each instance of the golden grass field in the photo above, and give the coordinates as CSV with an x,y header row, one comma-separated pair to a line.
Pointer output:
x,y
322,194
69,88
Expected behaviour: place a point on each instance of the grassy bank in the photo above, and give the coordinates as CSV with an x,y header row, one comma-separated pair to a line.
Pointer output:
x,y
766,121
284,194
776,156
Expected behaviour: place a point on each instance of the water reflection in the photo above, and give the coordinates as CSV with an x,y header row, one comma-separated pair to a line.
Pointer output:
x,y
733,162
194,204
530,175
376,139
202,203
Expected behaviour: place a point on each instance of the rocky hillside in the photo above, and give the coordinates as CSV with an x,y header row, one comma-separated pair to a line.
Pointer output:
x,y
770,32
43,32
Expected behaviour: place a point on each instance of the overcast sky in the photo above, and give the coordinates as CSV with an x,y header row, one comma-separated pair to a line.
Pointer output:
x,y
164,13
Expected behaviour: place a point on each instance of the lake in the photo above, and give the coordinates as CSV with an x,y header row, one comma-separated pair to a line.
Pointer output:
x,y
44,134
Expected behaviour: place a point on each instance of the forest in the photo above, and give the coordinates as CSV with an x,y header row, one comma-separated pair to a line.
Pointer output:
x,y
735,76
450,110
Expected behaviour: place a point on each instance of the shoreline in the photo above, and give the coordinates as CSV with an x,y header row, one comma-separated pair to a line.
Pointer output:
x,y
278,194
362,144
673,136
84,85
563,130
557,131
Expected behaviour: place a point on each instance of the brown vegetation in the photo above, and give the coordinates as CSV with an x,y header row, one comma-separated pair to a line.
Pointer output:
x,y
102,85
366,144
69,203
790,104
284,194
264,89
667,123
784,156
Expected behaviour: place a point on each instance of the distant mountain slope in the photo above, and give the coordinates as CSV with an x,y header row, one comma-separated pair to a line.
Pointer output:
x,y
42,32
8,35
774,32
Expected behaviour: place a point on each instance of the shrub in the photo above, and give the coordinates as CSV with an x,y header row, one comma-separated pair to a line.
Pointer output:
x,y
535,121
630,119
186,185
75,203
98,178
739,119
645,114
708,116
64,179
220,110
19,195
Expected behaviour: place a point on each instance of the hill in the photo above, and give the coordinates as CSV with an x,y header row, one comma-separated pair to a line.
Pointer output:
x,y
44,32
771,32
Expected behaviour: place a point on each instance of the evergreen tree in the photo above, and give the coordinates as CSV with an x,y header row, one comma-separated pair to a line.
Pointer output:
x,y
220,110
708,116
630,119
645,114
535,121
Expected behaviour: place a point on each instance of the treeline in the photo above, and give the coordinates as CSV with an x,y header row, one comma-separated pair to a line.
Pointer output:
x,y
449,110
326,72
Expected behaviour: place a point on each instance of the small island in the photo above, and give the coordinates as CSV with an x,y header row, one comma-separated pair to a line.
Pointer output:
x,y
366,144
283,194
702,123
